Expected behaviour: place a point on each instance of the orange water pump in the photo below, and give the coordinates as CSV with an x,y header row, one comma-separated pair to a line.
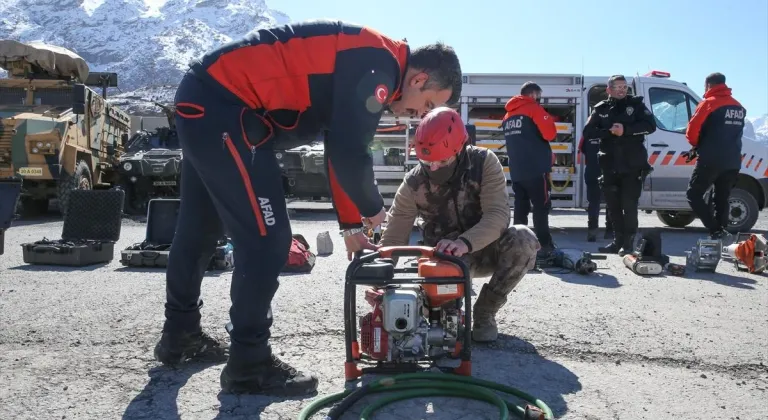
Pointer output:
x,y
415,322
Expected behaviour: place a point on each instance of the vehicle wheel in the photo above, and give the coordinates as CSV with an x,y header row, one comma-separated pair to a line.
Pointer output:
x,y
676,219
129,203
743,212
80,180
31,207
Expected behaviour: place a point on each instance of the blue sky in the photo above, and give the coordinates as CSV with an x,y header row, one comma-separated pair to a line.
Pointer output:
x,y
687,38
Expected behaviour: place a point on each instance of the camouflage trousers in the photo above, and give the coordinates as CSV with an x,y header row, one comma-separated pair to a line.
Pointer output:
x,y
506,260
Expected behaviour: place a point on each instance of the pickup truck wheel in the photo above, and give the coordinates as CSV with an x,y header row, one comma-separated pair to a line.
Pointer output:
x,y
743,212
676,219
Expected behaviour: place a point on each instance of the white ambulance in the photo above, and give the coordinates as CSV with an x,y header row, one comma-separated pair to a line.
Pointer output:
x,y
570,98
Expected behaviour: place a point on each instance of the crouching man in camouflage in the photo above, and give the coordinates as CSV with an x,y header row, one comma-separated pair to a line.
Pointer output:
x,y
460,192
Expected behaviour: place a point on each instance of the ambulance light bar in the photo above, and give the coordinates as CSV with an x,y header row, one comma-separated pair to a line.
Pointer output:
x,y
657,73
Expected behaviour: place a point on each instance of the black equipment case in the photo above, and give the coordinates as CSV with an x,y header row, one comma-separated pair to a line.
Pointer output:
x,y
9,195
92,225
161,228
162,214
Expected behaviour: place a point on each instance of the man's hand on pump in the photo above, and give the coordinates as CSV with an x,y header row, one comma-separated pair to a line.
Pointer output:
x,y
355,240
456,248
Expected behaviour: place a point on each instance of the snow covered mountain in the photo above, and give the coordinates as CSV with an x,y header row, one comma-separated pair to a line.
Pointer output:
x,y
758,128
148,43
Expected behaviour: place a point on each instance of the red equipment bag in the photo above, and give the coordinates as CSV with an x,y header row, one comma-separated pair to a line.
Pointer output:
x,y
300,259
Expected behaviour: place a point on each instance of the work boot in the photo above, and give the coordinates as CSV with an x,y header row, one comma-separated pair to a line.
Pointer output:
x,y
613,247
484,328
271,377
545,251
627,246
592,235
178,347
720,235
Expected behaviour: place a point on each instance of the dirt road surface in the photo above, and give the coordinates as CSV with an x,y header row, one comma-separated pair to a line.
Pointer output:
x,y
77,343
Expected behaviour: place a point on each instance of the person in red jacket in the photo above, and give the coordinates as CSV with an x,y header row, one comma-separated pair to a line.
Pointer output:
x,y
714,132
528,129
278,88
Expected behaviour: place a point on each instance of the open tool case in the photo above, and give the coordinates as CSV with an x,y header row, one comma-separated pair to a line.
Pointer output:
x,y
162,215
92,225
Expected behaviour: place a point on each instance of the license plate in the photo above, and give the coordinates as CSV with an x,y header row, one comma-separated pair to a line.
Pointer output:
x,y
164,183
31,171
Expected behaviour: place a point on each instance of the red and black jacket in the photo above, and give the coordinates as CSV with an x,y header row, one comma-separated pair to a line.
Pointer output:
x,y
305,78
528,129
716,127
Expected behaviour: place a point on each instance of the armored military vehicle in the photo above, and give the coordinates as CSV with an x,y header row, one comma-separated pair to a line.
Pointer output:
x,y
303,169
56,132
151,165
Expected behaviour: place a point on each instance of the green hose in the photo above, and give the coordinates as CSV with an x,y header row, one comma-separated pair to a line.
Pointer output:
x,y
413,385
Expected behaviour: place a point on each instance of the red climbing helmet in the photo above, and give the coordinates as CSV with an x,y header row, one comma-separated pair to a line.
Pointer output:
x,y
441,134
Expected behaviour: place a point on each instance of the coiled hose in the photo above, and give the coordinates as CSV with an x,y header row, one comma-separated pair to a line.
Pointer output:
x,y
415,385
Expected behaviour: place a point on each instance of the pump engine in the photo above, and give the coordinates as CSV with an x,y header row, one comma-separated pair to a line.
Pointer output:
x,y
409,323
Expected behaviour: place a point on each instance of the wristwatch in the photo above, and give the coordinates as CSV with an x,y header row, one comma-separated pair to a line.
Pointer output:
x,y
350,232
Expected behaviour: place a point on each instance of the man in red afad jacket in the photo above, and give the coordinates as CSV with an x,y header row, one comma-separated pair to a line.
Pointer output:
x,y
528,129
715,132
278,88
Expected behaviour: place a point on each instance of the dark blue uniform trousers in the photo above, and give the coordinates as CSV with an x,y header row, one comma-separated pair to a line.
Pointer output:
x,y
226,183
595,197
534,194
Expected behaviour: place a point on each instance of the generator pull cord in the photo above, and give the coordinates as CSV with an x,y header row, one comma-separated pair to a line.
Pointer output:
x,y
429,384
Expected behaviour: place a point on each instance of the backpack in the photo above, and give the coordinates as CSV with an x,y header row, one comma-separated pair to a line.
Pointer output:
x,y
300,259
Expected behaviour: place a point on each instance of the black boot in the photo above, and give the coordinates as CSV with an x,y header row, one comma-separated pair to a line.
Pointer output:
x,y
592,235
613,247
627,246
546,250
270,377
720,235
178,347
608,234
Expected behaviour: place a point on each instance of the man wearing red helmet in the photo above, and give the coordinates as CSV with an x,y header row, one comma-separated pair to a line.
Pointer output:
x,y
460,192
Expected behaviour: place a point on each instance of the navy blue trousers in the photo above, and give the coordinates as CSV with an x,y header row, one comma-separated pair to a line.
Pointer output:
x,y
533,195
228,182
595,197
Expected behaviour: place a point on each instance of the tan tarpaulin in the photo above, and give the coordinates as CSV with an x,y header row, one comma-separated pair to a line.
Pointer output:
x,y
57,61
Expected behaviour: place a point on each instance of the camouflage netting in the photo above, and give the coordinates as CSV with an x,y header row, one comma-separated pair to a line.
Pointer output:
x,y
56,61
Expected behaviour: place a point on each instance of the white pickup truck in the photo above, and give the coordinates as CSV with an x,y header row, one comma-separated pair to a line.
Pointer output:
x,y
570,98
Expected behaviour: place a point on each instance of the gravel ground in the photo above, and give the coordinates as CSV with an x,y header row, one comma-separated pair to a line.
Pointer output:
x,y
77,343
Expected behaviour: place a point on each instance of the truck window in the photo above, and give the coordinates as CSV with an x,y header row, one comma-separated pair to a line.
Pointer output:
x,y
12,96
672,109
53,96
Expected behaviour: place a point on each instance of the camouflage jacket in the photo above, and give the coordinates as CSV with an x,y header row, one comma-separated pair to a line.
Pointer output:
x,y
473,205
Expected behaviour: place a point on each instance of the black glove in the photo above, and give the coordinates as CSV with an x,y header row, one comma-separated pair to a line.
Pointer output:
x,y
690,155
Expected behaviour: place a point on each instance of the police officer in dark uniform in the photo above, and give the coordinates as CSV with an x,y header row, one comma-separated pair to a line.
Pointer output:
x,y
621,123
589,149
